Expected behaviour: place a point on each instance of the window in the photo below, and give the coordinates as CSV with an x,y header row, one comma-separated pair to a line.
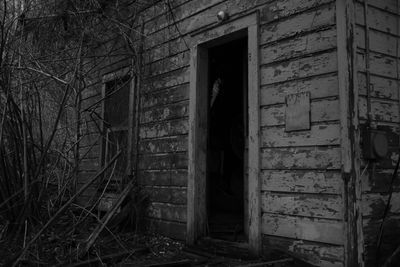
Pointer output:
x,y
116,128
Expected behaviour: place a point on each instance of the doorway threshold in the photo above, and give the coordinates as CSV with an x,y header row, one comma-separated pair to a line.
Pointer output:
x,y
227,253
236,250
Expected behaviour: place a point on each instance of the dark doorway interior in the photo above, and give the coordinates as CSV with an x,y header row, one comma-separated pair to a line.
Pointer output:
x,y
227,132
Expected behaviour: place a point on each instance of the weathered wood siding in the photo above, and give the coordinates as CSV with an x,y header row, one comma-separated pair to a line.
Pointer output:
x,y
302,200
302,205
383,22
301,183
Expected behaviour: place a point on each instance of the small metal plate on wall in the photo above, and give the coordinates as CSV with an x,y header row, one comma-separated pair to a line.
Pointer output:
x,y
298,112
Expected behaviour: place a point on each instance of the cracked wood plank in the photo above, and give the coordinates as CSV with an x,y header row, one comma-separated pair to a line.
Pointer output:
x,y
304,22
167,96
378,41
270,12
319,87
317,254
321,111
167,211
163,177
299,68
315,206
299,46
306,181
318,135
311,229
174,230
377,19
380,87
379,65
165,194
166,80
301,158
163,161
173,111
381,110
164,145
164,128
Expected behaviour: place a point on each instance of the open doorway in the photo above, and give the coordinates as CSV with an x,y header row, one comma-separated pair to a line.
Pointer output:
x,y
227,136
232,46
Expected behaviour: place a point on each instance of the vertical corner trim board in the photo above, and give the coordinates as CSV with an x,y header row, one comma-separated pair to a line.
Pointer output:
x,y
196,210
348,98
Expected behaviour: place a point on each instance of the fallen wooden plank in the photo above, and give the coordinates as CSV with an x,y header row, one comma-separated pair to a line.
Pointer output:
x,y
17,257
95,234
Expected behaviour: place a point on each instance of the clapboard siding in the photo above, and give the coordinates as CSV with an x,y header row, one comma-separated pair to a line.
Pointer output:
x,y
322,110
380,87
302,187
320,86
386,5
166,96
167,211
267,7
163,161
325,134
168,64
90,125
303,228
164,145
300,179
165,113
299,68
318,254
166,194
311,205
90,152
380,65
381,110
377,19
166,80
299,45
164,128
303,158
168,177
304,22
173,44
176,230
181,11
86,198
307,181
379,42
383,22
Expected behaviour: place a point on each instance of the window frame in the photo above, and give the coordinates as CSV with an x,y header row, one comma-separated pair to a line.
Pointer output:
x,y
107,78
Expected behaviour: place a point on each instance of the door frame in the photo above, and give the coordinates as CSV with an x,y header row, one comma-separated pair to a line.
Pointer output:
x,y
204,39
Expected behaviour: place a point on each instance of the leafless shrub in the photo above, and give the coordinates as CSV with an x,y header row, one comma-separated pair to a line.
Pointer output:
x,y
50,52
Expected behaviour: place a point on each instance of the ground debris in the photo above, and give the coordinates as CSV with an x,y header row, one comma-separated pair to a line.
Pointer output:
x,y
61,245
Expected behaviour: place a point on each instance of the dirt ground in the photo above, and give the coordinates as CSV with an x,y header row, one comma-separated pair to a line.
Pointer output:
x,y
61,245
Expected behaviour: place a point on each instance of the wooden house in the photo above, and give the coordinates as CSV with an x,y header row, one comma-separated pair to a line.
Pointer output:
x,y
249,116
